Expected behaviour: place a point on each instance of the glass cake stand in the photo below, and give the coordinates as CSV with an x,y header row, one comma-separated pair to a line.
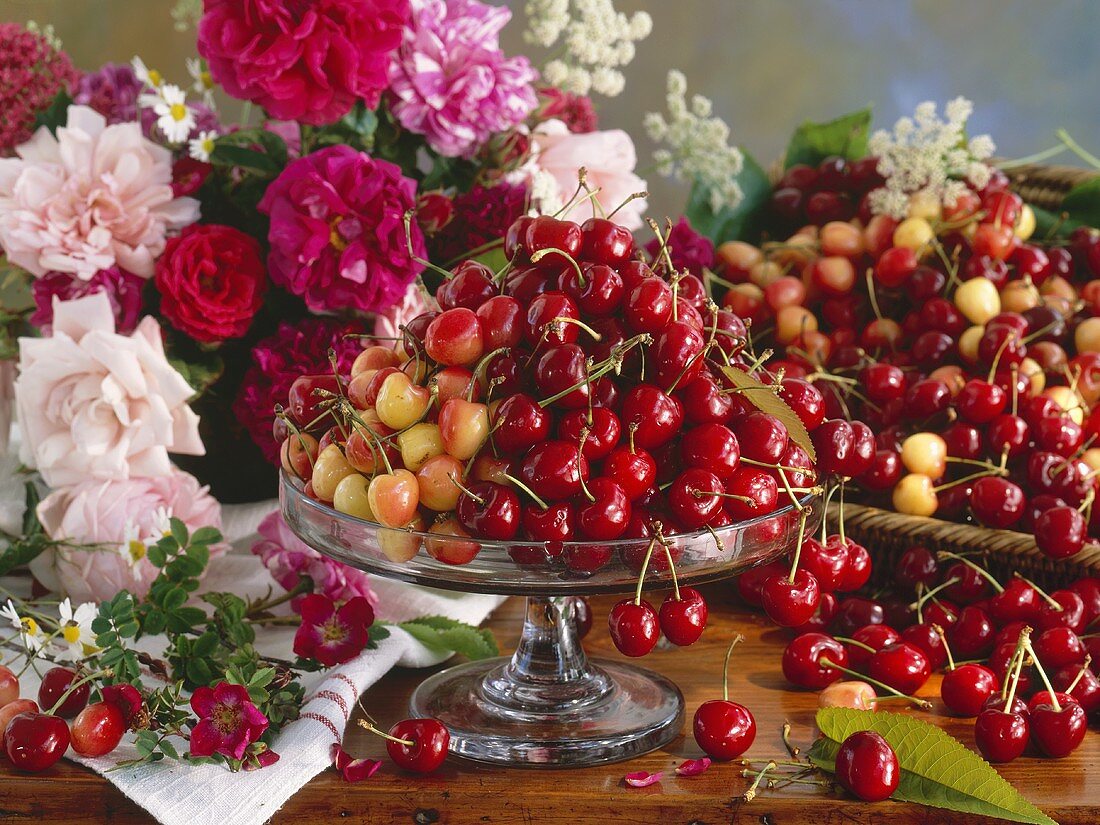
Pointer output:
x,y
547,704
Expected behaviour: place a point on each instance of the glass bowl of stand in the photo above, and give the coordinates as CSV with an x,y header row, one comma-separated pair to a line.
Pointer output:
x,y
548,704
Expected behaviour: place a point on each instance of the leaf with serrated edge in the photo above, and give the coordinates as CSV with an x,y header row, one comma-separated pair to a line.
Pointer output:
x,y
936,769
764,398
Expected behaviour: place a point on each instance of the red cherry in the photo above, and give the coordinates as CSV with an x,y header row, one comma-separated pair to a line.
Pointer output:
x,y
1058,732
606,242
554,524
553,469
901,666
789,600
520,424
502,321
546,233
694,497
98,729
811,660
827,562
634,627
36,741
599,292
760,490
1060,531
430,740
997,502
1017,602
711,447
927,640
867,766
455,338
843,448
751,582
927,397
855,612
55,683
599,429
648,307
916,566
805,399
723,729
489,510
965,689
684,619
979,401
658,416
972,632
895,265
857,568
470,286
762,437
1059,646
1001,736
606,517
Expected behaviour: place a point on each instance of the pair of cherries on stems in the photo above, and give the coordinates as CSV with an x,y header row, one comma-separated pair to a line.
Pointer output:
x,y
1054,721
635,626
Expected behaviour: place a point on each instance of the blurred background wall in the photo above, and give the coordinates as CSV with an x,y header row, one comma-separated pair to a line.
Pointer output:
x,y
1030,67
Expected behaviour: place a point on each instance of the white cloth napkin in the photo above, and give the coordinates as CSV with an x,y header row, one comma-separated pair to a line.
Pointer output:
x,y
178,793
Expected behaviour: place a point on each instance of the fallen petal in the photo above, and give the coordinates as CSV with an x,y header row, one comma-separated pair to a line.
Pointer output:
x,y
340,757
641,779
693,767
360,769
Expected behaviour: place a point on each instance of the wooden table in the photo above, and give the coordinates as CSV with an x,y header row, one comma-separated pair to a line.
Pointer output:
x,y
1067,789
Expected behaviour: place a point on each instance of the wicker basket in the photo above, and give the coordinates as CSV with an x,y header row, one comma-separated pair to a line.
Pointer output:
x,y
888,534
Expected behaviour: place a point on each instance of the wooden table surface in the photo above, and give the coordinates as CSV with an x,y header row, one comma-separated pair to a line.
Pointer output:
x,y
462,792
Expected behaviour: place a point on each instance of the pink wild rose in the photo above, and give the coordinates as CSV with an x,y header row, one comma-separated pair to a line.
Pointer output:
x,y
228,721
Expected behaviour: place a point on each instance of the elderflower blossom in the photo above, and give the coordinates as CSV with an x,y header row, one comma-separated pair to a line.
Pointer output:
x,y
928,156
30,632
697,144
77,638
594,41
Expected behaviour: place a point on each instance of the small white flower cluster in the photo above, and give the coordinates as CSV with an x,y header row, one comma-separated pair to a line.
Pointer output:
x,y
930,156
697,144
71,638
596,42
46,32
175,119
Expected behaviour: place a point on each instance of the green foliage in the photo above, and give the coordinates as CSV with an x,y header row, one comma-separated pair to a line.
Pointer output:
x,y
743,222
441,634
57,114
845,136
936,769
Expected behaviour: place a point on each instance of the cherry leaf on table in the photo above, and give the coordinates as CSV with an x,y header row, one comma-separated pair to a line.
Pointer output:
x,y
936,769
764,398
440,633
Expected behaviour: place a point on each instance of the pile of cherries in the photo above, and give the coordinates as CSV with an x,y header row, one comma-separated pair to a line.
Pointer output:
x,y
35,735
1029,675
971,349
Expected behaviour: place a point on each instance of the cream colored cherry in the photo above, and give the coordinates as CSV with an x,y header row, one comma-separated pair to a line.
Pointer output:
x,y
394,497
419,443
401,544
328,471
1025,224
925,205
351,497
915,234
436,478
925,454
374,358
464,427
978,300
1087,335
1070,402
401,403
915,495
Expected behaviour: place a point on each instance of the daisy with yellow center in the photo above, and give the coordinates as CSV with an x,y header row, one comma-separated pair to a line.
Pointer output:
x,y
174,119
201,147
77,639
150,77
203,81
30,631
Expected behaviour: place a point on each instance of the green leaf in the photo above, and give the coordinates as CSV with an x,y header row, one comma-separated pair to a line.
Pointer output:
x,y
764,398
179,532
199,369
1082,203
936,769
156,555
471,642
262,677
169,750
21,553
56,115
376,633
175,598
254,161
31,524
128,630
206,535
743,221
846,136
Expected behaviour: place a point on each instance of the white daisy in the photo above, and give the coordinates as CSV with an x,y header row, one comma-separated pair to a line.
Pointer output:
x,y
202,147
77,639
174,119
150,77
204,81
133,548
30,632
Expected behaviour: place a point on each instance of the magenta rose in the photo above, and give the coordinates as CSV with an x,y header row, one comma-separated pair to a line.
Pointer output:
x,y
337,231
306,61
123,290
211,280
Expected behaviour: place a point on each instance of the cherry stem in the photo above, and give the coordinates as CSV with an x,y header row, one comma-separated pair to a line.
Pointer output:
x,y
580,457
737,639
798,546
871,293
754,463
1021,643
1055,605
542,504
1043,675
630,430
944,554
787,486
1080,674
792,748
946,646
74,686
700,354
363,723
843,541
919,603
645,567
828,500
848,640
565,319
923,704
1010,338
466,490
663,251
672,569
629,198
412,253
480,369
750,794
967,479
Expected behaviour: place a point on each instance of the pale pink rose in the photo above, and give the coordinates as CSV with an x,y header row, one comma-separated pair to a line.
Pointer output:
x,y
123,518
609,158
94,404
92,197
388,322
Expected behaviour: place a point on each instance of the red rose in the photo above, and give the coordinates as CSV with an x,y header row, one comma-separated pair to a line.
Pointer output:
x,y
211,280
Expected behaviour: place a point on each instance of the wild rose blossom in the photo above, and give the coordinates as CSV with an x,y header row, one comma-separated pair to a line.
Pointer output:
x,y
33,69
296,349
92,197
122,518
302,61
94,404
450,80
212,280
337,231
688,249
228,721
332,635
122,288
288,558
608,157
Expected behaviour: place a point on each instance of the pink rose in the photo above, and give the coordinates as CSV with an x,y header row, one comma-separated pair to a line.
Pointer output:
x,y
92,197
124,518
388,322
608,156
94,404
